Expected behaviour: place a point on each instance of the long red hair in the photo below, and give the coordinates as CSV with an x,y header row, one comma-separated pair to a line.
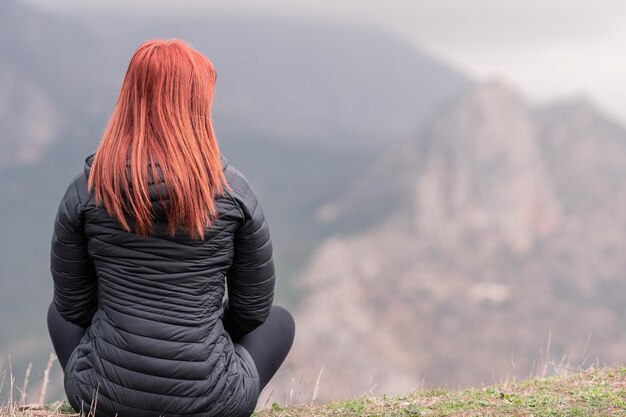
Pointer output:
x,y
161,121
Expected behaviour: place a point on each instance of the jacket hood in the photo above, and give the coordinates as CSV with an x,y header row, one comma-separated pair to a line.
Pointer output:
x,y
89,161
157,189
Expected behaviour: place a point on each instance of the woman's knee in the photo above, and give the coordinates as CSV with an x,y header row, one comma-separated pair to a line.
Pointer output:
x,y
65,336
285,320
53,315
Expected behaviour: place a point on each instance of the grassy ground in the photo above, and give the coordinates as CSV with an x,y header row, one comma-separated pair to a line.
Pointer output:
x,y
594,393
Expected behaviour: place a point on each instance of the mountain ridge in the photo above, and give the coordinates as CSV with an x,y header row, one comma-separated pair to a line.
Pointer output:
x,y
483,249
308,80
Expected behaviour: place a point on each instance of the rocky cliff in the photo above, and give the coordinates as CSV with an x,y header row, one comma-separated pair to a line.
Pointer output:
x,y
494,246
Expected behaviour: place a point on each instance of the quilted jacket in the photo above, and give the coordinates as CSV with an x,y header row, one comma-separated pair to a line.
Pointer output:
x,y
159,338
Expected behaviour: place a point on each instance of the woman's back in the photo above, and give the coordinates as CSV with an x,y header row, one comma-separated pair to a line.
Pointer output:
x,y
154,305
146,242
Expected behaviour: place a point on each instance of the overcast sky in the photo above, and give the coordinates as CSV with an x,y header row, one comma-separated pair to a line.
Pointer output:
x,y
550,49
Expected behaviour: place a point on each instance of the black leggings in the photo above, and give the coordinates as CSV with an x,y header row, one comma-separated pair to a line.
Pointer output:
x,y
268,344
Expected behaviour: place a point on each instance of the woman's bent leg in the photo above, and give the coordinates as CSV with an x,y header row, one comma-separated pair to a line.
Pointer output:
x,y
270,343
65,335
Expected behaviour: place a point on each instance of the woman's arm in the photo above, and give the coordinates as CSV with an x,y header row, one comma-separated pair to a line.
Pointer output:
x,y
251,276
75,283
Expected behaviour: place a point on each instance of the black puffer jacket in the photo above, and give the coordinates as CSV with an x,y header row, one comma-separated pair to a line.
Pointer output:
x,y
158,338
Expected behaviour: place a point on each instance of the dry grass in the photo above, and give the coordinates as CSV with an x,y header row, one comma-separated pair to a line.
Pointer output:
x,y
593,393
17,403
59,408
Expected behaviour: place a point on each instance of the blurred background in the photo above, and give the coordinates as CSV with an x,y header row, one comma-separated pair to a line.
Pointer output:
x,y
444,180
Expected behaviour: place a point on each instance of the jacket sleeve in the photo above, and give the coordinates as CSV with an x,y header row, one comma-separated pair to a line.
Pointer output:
x,y
251,277
75,283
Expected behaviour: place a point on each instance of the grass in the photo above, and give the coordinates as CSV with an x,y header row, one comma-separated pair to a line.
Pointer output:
x,y
593,393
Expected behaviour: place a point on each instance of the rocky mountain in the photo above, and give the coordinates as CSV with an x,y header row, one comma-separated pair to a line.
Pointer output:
x,y
495,247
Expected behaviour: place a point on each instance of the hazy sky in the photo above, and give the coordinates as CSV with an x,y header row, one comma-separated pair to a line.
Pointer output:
x,y
550,49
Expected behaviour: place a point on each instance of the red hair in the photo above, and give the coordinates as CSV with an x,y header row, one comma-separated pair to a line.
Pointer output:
x,y
161,121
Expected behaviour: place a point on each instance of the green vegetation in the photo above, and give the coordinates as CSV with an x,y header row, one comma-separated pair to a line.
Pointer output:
x,y
594,393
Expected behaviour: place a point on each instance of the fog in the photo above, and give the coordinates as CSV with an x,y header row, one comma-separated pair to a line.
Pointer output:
x,y
549,49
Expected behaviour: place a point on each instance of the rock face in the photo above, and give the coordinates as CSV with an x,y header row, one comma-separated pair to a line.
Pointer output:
x,y
495,246
484,180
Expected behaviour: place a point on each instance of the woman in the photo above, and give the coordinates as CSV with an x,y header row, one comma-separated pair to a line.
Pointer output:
x,y
144,243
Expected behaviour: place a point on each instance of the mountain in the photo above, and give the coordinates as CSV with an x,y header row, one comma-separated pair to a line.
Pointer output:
x,y
495,248
314,83
301,108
